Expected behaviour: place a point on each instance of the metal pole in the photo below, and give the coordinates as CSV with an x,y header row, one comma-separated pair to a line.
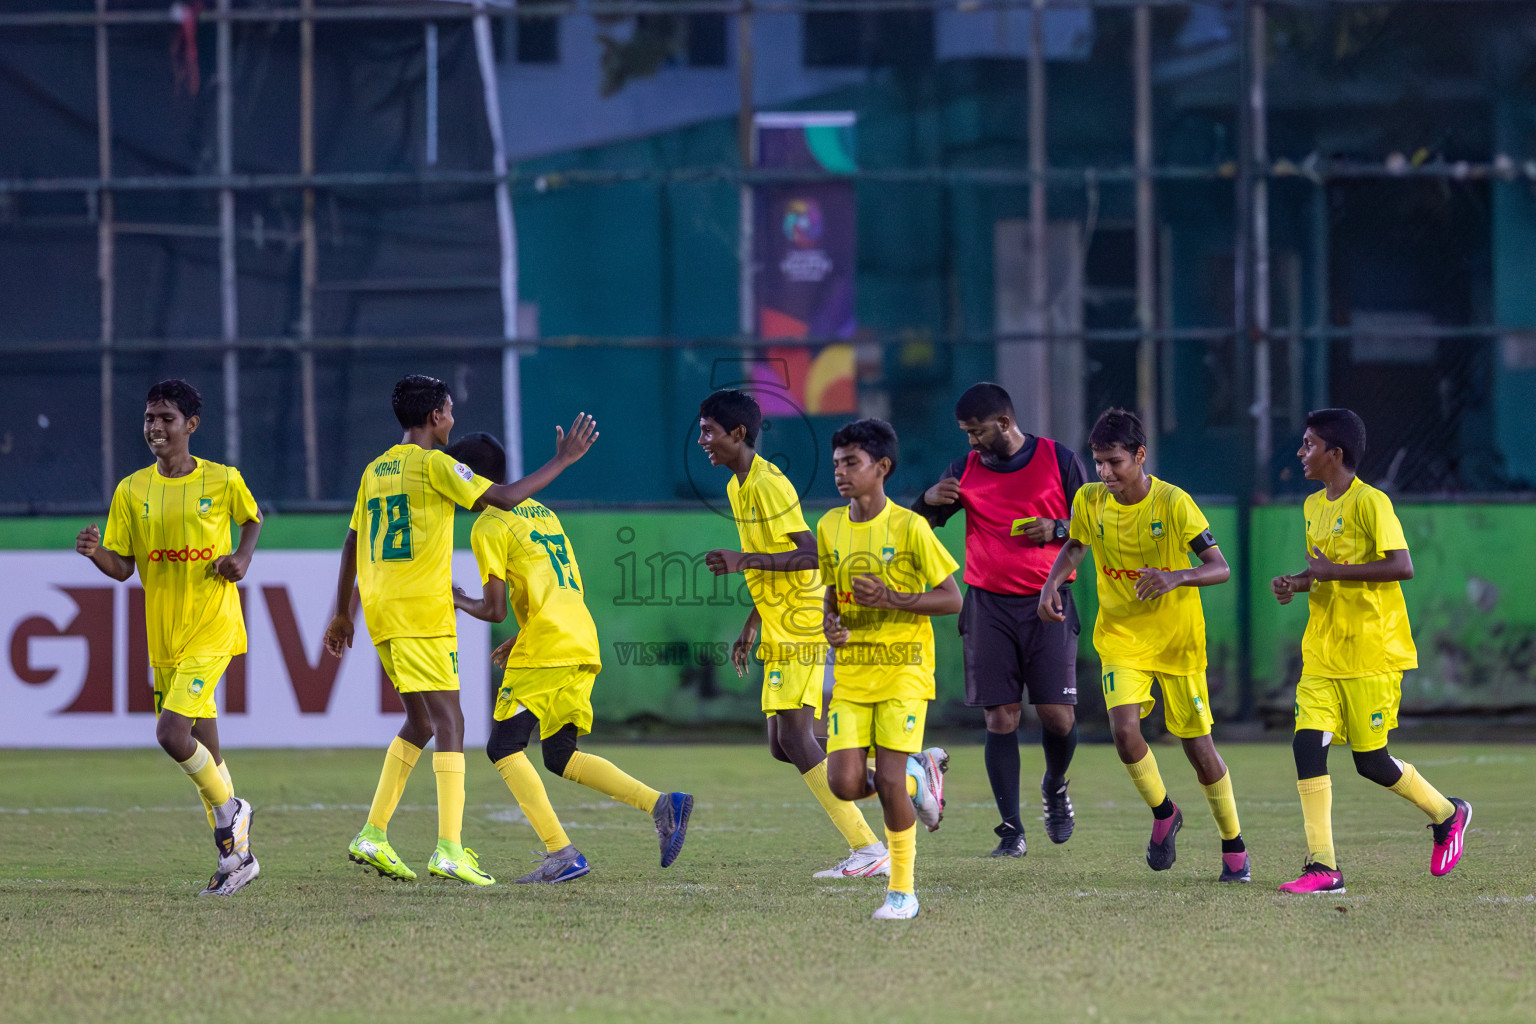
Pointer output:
x,y
105,251
1320,297
310,256
745,150
1242,377
1263,417
1146,235
228,299
506,231
431,44
1039,281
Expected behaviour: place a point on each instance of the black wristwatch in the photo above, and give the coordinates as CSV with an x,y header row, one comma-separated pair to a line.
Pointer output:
x,y
1060,533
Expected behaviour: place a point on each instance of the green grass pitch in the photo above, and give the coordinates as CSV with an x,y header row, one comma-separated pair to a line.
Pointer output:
x,y
101,854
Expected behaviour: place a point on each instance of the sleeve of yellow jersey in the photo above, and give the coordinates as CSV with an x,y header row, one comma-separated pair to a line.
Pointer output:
x,y
934,561
1081,528
359,522
454,480
488,540
824,551
119,533
1380,519
242,504
780,505
1188,521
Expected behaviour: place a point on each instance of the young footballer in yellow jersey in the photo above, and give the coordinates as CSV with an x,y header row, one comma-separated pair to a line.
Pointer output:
x,y
1151,628
1355,649
525,556
404,510
171,522
778,558
878,562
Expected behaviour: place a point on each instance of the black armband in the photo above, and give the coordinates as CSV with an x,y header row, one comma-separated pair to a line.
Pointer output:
x,y
1203,541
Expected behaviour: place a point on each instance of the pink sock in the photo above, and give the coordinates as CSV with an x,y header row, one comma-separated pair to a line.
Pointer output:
x,y
1234,861
1160,826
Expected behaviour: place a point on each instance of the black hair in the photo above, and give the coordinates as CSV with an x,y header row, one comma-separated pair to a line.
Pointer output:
x,y
1117,427
1341,429
416,398
876,437
983,402
731,409
482,453
178,393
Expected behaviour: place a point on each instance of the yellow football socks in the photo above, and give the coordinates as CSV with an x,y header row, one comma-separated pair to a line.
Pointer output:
x,y
1317,816
448,766
595,773
1149,783
1414,788
398,762
844,814
522,778
1223,806
903,847
205,776
208,807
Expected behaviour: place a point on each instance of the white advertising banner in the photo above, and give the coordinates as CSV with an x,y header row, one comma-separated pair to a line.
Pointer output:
x,y
74,668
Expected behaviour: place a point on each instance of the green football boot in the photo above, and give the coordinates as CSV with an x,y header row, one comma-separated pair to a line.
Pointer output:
x,y
451,860
372,850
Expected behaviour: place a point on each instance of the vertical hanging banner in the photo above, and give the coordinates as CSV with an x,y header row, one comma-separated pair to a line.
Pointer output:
x,y
805,247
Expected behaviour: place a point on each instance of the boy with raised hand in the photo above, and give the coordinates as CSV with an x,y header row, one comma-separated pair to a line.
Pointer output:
x,y
405,507
878,562
170,521
524,555
1356,647
778,558
1150,627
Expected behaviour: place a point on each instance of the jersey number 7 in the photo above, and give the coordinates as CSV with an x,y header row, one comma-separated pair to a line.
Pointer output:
x,y
554,546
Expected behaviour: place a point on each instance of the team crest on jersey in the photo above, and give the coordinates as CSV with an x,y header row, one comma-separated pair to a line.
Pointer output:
x,y
1338,526
911,723
196,687
464,471
775,680
1157,527
204,506
887,553
1377,721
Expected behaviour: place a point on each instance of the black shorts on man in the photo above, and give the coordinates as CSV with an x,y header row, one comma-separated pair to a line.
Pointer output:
x,y
1011,652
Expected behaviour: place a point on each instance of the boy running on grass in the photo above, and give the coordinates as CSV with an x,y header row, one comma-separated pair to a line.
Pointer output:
x,y
405,509
778,558
525,556
878,561
1357,644
170,521
1151,627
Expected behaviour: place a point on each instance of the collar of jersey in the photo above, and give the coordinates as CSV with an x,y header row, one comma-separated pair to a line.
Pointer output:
x,y
883,514
171,481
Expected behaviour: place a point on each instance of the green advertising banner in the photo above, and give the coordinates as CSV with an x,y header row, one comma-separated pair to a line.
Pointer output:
x,y
667,624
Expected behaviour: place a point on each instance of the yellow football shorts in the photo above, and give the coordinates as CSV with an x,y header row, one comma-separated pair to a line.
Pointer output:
x,y
1359,711
557,696
1186,702
893,724
187,687
788,685
421,664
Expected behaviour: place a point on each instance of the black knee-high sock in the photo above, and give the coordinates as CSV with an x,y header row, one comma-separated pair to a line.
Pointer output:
x,y
1002,756
1058,755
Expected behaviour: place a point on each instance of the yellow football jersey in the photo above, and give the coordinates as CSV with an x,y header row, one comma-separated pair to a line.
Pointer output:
x,y
767,511
174,529
889,654
1165,634
528,549
1355,629
404,523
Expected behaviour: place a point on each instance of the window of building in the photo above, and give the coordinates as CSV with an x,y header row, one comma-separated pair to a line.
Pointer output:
x,y
706,41
839,39
538,40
